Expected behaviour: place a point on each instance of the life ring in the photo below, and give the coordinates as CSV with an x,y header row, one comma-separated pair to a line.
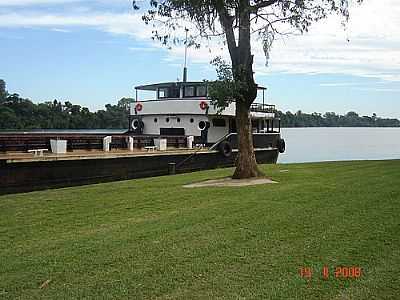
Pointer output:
x,y
138,107
225,148
281,145
203,105
137,125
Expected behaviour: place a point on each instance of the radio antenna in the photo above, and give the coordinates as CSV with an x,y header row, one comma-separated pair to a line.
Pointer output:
x,y
186,47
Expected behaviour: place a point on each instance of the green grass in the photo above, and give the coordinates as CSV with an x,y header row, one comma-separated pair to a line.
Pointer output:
x,y
154,239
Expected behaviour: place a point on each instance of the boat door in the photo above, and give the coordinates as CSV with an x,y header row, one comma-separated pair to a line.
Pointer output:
x,y
232,125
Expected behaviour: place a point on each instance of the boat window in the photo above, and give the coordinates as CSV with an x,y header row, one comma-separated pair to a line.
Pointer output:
x,y
178,120
189,91
254,125
201,90
167,120
191,120
163,93
172,131
219,122
174,92
155,120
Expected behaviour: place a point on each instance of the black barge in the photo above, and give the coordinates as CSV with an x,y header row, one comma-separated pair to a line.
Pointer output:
x,y
86,163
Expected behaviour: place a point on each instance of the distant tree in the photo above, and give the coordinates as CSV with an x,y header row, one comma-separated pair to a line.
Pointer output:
x,y
3,91
352,114
331,119
374,117
125,103
67,107
20,113
76,109
234,21
8,118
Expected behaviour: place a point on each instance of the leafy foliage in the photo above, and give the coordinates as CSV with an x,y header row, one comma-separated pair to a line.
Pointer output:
x,y
19,113
331,119
233,22
225,89
3,92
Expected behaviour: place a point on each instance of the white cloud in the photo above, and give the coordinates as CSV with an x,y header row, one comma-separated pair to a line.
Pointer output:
x,y
142,49
33,2
338,84
130,24
379,90
373,50
60,30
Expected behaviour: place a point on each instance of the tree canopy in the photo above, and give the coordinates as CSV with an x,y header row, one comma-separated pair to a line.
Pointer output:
x,y
22,114
3,91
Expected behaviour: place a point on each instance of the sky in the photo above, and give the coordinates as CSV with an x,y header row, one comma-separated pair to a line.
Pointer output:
x,y
93,52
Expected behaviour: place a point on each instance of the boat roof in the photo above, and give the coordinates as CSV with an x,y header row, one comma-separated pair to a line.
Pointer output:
x,y
156,86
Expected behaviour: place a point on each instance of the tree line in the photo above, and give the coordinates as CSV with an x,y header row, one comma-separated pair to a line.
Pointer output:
x,y
17,113
331,119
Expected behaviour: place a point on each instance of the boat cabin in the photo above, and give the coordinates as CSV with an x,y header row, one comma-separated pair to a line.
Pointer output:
x,y
184,109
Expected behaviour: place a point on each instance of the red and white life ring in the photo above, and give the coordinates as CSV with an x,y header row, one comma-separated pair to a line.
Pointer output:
x,y
203,105
138,107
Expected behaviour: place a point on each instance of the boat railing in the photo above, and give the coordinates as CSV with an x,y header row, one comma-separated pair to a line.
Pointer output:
x,y
225,137
264,108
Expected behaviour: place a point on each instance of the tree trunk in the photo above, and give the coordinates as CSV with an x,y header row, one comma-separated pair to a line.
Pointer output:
x,y
242,70
246,164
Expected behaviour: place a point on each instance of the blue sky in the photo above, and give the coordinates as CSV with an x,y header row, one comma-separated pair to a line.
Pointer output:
x,y
94,52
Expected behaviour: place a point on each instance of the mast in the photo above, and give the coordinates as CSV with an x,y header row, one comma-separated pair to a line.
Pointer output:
x,y
184,68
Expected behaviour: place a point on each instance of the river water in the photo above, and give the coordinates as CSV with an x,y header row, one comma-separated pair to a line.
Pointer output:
x,y
331,144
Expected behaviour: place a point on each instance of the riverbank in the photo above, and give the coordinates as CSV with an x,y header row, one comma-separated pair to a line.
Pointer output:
x,y
154,239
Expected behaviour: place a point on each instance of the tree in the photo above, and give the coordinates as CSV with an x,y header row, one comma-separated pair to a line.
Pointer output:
x,y
234,21
8,119
3,91
124,103
20,113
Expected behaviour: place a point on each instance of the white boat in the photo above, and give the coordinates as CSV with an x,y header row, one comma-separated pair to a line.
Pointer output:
x,y
185,109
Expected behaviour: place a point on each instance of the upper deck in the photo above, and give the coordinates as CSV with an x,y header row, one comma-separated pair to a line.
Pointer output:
x,y
175,98
176,90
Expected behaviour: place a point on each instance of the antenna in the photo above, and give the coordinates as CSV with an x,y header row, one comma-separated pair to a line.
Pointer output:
x,y
184,67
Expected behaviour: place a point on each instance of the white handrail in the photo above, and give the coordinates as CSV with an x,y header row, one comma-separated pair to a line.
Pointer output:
x,y
220,140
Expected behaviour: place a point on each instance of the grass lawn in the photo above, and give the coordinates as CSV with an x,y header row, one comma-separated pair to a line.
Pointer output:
x,y
154,239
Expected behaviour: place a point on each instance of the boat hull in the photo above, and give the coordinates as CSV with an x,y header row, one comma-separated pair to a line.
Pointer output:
x,y
25,176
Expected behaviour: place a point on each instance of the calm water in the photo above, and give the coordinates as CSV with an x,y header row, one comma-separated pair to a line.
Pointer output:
x,y
325,144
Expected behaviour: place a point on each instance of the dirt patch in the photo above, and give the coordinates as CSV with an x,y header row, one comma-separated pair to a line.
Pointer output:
x,y
230,182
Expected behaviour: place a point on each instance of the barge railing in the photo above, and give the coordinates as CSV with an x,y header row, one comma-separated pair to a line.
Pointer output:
x,y
264,108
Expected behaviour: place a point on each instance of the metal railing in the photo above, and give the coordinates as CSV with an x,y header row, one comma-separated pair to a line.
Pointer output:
x,y
226,136
264,108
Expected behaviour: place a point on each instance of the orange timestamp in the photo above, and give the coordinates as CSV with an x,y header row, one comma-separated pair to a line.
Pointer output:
x,y
351,272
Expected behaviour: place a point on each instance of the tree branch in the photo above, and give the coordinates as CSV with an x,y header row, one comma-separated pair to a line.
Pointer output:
x,y
254,8
227,24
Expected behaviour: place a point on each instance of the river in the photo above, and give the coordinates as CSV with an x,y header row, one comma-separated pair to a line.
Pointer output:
x,y
345,143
